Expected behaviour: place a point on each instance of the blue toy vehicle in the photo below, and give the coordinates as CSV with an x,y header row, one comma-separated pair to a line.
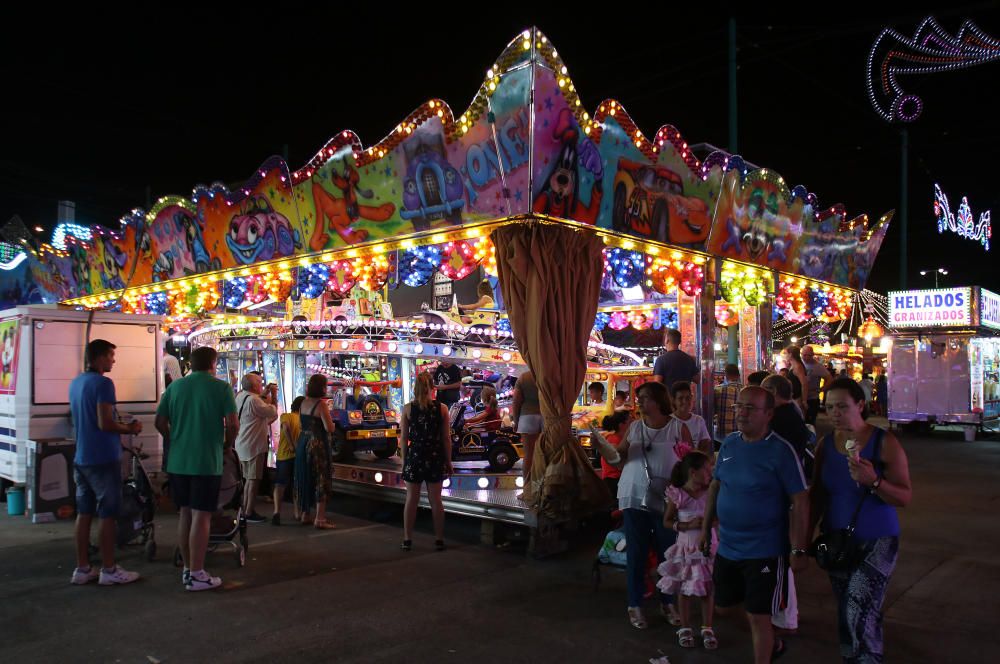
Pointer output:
x,y
365,423
432,188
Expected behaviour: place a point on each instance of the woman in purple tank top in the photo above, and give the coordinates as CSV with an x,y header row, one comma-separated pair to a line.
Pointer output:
x,y
860,463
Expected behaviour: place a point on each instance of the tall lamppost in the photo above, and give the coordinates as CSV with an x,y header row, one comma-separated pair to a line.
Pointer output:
x,y
940,270
895,56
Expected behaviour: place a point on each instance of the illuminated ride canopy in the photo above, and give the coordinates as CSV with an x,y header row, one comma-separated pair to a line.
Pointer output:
x,y
425,197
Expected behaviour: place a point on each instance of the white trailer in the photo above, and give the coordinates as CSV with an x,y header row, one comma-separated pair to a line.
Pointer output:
x,y
43,351
944,365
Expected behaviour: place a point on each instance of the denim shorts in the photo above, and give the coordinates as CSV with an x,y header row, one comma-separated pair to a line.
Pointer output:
x,y
286,469
99,489
529,424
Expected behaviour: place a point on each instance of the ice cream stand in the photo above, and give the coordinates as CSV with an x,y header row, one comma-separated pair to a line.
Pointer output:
x,y
944,362
523,189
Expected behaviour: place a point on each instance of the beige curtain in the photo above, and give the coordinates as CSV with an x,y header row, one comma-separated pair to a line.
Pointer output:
x,y
550,277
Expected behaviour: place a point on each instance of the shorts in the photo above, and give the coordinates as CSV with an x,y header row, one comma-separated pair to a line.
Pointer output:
x,y
199,492
761,584
529,424
99,489
286,469
253,469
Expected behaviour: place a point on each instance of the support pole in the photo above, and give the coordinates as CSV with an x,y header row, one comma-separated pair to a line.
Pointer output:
x,y
904,178
733,144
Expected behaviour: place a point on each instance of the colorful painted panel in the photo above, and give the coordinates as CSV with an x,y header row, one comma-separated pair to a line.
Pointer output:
x,y
10,335
435,170
759,220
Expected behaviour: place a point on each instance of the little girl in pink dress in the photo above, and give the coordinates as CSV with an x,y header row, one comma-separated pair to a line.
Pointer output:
x,y
685,571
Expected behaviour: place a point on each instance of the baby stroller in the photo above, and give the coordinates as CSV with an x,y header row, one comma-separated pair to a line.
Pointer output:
x,y
138,507
228,521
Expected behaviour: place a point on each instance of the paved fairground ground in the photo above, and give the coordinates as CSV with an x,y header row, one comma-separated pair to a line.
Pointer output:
x,y
351,595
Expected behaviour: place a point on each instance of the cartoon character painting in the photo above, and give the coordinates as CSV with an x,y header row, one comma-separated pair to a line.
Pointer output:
x,y
649,201
192,228
112,262
80,268
757,228
258,233
560,195
339,214
9,356
432,188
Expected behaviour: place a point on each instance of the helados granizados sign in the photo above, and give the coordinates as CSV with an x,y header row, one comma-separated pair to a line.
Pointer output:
x,y
942,307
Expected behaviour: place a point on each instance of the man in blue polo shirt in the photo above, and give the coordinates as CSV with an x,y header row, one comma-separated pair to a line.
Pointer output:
x,y
97,466
756,476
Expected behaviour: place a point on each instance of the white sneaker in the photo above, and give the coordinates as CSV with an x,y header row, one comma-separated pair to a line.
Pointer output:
x,y
81,577
117,576
202,581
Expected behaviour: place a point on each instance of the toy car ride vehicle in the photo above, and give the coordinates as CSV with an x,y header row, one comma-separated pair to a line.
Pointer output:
x,y
484,441
365,423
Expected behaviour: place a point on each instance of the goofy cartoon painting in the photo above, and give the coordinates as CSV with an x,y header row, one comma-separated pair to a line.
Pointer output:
x,y
560,196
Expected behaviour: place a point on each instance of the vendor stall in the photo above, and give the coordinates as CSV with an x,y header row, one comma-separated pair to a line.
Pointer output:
x,y
944,362
569,226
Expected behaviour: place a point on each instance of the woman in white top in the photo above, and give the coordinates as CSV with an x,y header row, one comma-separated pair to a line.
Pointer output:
x,y
648,444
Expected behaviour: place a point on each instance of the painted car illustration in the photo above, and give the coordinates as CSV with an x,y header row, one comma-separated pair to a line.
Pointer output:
x,y
649,201
365,422
258,233
432,188
485,441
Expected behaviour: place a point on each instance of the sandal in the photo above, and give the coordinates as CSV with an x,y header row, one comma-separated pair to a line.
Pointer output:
x,y
708,638
407,545
670,614
323,525
636,618
685,637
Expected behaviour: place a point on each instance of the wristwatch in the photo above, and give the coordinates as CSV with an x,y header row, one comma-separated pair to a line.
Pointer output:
x,y
799,552
875,485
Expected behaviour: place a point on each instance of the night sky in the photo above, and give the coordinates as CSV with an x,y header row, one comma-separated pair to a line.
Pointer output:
x,y
101,113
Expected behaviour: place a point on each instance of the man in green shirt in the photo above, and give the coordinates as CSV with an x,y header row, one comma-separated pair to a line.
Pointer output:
x,y
198,414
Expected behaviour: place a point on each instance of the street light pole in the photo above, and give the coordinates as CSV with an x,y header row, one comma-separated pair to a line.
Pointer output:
x,y
940,270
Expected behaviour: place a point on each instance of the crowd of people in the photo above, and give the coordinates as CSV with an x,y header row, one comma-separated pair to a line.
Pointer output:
x,y
201,422
732,526
728,520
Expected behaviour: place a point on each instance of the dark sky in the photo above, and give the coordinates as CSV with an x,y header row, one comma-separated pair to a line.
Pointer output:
x,y
98,112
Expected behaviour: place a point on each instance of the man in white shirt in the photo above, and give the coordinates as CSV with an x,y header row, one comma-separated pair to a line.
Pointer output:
x,y
256,409
171,368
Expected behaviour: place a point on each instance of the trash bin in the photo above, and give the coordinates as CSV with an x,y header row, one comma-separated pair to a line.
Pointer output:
x,y
15,501
51,488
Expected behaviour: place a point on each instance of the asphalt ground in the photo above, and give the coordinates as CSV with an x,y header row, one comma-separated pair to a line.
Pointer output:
x,y
351,594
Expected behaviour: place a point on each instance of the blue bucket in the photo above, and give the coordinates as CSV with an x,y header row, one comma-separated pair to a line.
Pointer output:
x,y
15,501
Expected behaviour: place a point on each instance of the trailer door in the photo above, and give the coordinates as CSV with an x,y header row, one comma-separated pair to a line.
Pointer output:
x,y
902,380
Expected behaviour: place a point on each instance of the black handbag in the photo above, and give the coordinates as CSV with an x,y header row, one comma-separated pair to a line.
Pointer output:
x,y
838,550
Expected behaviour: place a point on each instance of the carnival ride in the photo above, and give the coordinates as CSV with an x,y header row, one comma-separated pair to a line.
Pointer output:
x,y
304,274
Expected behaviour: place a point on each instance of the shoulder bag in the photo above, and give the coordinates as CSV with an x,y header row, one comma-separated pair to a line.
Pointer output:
x,y
652,500
838,550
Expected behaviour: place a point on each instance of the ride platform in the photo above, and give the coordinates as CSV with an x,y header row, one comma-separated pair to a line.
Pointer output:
x,y
472,491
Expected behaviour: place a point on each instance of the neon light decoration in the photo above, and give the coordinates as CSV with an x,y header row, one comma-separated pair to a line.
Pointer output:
x,y
931,50
962,223
71,229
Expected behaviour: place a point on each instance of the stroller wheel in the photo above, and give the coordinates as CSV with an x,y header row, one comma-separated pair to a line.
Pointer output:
x,y
150,550
178,560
